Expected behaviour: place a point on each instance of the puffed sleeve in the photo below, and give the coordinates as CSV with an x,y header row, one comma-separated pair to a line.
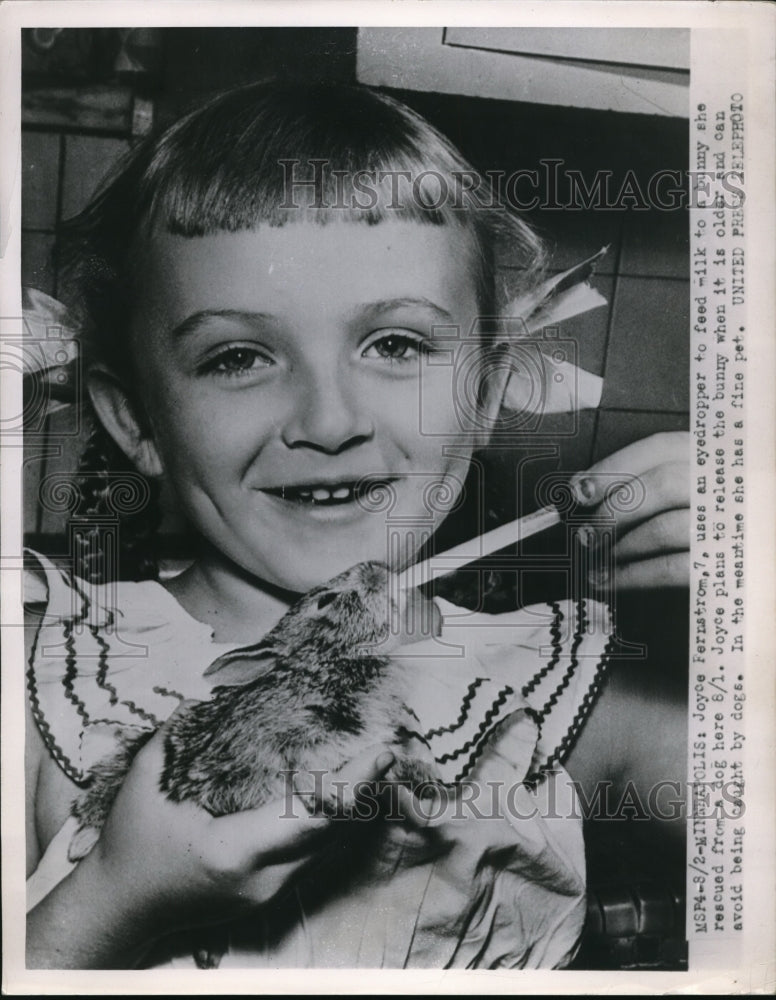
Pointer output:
x,y
545,662
105,659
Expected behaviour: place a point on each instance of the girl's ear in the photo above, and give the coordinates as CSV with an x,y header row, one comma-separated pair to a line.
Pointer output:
x,y
493,385
122,421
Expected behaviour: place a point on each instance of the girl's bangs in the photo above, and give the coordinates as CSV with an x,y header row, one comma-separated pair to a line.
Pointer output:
x,y
255,157
310,190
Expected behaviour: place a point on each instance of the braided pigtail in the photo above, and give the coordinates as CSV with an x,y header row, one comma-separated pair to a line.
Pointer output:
x,y
110,488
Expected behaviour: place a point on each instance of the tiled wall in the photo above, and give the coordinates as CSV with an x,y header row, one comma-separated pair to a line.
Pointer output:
x,y
639,341
60,172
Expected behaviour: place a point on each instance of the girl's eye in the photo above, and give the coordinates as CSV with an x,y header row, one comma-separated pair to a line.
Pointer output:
x,y
396,345
235,361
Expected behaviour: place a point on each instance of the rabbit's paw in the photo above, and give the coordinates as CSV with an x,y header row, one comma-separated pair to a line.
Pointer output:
x,y
83,841
92,806
91,809
333,802
420,775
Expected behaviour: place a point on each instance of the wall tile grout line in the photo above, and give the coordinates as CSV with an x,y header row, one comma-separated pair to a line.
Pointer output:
x,y
637,410
610,274
607,338
60,196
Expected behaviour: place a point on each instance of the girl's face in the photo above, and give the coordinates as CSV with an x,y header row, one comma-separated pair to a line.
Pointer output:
x,y
281,366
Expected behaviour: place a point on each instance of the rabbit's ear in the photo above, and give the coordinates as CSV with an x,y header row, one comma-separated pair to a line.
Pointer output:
x,y
242,666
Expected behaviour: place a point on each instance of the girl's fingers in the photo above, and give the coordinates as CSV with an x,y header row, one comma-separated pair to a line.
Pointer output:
x,y
278,831
664,533
339,793
149,761
332,794
650,515
661,488
369,766
421,812
288,828
266,884
668,531
590,486
671,570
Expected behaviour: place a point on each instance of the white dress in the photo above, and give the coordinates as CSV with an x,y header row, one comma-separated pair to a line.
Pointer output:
x,y
498,881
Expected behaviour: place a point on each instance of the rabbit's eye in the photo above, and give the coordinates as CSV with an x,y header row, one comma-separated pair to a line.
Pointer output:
x,y
325,599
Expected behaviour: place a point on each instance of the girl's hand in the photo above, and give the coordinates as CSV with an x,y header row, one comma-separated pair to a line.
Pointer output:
x,y
652,538
161,866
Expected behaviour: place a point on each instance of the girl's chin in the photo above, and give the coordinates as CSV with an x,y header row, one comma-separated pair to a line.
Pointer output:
x,y
302,579
300,572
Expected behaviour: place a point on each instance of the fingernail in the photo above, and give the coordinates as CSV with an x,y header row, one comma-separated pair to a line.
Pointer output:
x,y
584,489
427,805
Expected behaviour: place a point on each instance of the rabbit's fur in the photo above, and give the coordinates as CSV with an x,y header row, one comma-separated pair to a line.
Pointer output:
x,y
314,693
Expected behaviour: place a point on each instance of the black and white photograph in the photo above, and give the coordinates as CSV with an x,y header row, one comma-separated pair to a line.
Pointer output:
x,y
377,593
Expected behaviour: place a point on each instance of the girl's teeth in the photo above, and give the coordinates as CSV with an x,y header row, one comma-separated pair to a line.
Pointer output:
x,y
318,494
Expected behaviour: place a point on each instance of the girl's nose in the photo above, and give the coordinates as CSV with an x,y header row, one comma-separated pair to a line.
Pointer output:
x,y
329,414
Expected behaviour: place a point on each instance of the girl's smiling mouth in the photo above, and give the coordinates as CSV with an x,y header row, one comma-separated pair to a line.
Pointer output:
x,y
332,493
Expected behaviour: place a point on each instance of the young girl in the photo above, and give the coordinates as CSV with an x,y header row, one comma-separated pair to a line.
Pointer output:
x,y
269,296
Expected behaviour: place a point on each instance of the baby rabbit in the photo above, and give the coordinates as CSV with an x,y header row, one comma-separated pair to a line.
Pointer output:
x,y
315,692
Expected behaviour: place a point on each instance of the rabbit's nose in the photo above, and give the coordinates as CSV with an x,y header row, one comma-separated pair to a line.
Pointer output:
x,y
374,577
